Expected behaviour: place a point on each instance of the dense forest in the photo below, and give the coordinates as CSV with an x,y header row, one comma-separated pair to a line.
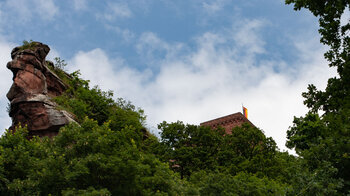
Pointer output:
x,y
110,152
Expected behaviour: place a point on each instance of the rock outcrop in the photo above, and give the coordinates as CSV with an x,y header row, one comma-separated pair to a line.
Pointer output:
x,y
34,84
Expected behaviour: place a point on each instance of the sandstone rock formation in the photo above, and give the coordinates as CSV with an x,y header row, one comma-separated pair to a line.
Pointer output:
x,y
33,87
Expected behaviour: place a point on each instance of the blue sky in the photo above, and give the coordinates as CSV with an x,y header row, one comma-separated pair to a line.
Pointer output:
x,y
188,60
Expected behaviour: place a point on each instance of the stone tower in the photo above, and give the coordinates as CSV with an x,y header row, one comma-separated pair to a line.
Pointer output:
x,y
227,122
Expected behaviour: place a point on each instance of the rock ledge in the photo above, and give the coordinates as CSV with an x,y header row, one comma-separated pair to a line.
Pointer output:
x,y
34,86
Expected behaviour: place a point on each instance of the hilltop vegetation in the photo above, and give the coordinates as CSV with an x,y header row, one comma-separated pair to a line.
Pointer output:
x,y
110,152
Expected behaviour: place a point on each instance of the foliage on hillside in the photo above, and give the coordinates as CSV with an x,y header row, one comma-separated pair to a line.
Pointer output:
x,y
89,158
111,153
324,141
197,148
82,101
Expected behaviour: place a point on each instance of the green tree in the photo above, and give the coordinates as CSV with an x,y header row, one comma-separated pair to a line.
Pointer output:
x,y
337,36
60,63
83,101
193,148
248,149
216,183
324,141
87,159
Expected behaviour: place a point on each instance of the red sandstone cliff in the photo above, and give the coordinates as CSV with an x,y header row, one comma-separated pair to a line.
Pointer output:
x,y
33,87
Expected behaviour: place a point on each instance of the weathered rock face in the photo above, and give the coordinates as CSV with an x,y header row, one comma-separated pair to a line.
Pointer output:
x,y
33,87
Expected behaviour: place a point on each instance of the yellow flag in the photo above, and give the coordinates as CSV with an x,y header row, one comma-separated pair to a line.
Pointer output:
x,y
245,112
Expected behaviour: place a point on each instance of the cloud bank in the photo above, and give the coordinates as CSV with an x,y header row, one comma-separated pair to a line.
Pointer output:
x,y
5,84
213,80
210,73
26,10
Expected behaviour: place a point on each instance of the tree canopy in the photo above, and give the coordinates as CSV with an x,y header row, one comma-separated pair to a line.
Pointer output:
x,y
324,141
110,152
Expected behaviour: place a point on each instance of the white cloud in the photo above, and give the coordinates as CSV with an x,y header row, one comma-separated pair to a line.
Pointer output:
x,y
93,68
80,4
52,54
116,11
2,19
345,18
126,34
214,6
151,47
212,80
6,77
99,69
46,8
25,10
21,9
248,38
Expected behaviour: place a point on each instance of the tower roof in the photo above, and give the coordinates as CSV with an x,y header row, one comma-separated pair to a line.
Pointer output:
x,y
227,122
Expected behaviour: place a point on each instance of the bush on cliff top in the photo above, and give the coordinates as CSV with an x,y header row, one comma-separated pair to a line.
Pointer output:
x,y
27,45
81,100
